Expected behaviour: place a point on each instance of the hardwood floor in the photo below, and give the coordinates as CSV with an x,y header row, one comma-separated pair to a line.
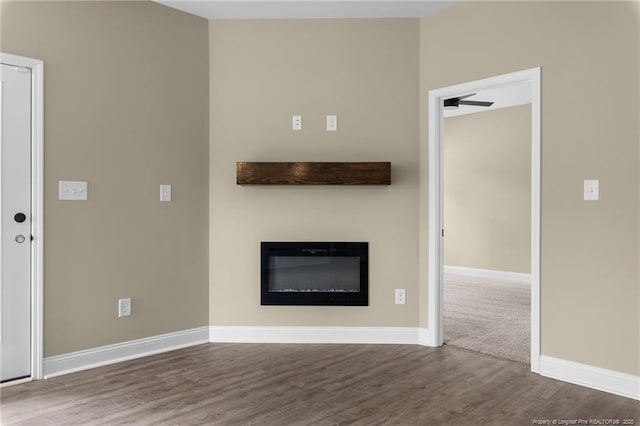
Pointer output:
x,y
287,384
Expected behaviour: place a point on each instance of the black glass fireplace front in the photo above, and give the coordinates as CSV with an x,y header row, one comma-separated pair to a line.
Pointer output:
x,y
315,273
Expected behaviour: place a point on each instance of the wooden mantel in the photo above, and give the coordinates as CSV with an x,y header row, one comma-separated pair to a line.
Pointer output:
x,y
298,173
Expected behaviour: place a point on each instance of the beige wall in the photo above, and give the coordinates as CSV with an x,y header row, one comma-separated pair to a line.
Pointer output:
x,y
126,94
487,190
125,110
262,73
590,288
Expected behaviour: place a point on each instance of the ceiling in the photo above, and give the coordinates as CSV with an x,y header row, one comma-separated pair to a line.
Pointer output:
x,y
307,9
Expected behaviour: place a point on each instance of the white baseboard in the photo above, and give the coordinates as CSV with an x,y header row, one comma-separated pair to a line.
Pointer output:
x,y
82,360
487,273
614,382
592,377
424,337
261,334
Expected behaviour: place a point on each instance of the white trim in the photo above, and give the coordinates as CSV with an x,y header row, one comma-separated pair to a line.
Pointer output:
x,y
424,336
487,273
435,210
37,204
16,382
536,212
598,378
434,238
110,354
361,335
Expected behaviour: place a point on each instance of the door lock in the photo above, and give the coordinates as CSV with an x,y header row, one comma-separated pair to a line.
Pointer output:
x,y
20,217
20,239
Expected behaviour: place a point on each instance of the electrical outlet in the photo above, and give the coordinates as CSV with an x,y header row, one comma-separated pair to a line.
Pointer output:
x,y
401,296
332,123
124,307
165,192
296,122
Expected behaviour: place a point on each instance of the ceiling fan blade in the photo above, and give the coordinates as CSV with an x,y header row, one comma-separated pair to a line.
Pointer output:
x,y
476,103
466,96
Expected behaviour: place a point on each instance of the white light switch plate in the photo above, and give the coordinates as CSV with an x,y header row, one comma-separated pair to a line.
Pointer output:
x,y
70,190
591,190
401,296
165,192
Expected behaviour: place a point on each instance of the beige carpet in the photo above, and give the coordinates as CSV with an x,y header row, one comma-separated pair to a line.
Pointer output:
x,y
488,316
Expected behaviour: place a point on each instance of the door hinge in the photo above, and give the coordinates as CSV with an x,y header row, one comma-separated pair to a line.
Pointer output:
x,y
443,232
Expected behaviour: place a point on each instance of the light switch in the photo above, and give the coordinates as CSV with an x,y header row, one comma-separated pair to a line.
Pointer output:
x,y
165,192
591,190
332,123
74,191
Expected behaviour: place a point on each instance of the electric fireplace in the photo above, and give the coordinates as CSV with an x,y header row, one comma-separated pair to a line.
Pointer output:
x,y
314,273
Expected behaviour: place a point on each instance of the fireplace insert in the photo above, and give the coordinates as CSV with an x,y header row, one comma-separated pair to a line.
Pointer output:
x,y
315,273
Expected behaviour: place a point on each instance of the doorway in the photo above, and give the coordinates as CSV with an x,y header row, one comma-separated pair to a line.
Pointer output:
x,y
436,230
21,207
486,250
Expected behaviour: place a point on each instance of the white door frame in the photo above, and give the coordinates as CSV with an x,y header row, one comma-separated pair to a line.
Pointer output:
x,y
37,203
436,126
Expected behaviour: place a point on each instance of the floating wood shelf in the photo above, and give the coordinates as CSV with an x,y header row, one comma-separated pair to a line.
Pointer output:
x,y
248,173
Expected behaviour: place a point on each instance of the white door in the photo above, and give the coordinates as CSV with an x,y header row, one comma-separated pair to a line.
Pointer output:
x,y
15,230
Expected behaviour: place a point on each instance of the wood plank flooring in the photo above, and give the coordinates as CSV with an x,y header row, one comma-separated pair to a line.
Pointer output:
x,y
288,384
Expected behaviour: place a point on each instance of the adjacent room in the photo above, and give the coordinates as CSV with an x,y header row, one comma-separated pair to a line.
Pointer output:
x,y
487,222
218,212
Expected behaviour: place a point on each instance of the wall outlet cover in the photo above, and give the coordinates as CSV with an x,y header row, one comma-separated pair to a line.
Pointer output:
x,y
72,190
296,122
165,192
124,307
332,123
